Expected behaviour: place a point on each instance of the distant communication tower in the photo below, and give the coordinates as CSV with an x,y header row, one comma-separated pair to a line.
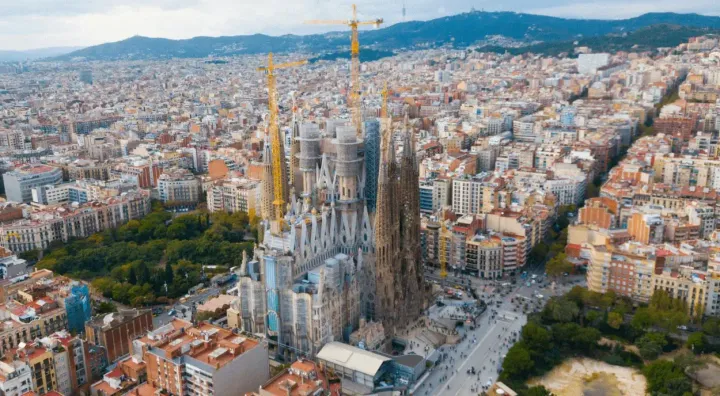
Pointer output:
x,y
403,11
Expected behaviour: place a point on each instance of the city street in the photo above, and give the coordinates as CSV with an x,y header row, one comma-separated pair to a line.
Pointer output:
x,y
165,317
484,348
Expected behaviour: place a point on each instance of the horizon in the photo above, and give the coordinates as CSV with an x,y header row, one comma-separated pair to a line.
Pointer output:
x,y
87,26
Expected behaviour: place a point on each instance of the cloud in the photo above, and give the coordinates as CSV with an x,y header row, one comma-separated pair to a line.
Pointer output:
x,y
614,9
12,8
26,24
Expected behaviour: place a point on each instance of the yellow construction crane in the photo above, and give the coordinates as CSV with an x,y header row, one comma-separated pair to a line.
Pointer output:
x,y
355,62
274,132
443,250
383,109
385,126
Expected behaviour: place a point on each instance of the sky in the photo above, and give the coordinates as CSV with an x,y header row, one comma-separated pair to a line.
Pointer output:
x,y
30,24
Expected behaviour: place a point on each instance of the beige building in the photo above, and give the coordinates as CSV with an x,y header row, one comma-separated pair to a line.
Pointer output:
x,y
485,256
178,185
626,273
63,222
186,360
235,195
684,286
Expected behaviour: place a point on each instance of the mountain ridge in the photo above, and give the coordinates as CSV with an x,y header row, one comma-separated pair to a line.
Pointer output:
x,y
459,30
37,53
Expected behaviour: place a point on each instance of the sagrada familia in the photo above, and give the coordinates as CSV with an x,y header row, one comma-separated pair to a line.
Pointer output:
x,y
346,246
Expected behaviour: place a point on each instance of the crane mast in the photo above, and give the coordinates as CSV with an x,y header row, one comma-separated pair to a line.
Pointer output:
x,y
443,251
383,109
279,185
355,91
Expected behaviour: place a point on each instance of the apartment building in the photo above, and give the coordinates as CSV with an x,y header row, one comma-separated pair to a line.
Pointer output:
x,y
234,195
81,191
303,377
601,212
183,359
646,227
442,193
43,316
114,331
627,270
703,216
42,366
178,185
467,195
485,257
72,363
20,181
684,284
15,378
63,222
12,139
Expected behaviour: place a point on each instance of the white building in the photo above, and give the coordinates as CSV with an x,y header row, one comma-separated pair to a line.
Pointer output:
x,y
235,195
16,379
467,196
589,63
178,185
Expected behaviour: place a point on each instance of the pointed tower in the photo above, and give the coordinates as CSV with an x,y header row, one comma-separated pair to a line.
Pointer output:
x,y
284,171
295,177
387,237
266,205
410,229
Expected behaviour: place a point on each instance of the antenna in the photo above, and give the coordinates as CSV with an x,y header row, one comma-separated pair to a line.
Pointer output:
x,y
403,11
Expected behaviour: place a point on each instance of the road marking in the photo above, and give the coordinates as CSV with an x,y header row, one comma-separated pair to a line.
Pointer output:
x,y
470,354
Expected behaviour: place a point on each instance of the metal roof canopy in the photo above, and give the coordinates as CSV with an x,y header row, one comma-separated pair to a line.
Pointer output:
x,y
352,357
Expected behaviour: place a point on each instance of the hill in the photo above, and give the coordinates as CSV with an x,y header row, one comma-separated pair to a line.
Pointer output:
x,y
367,55
459,30
17,56
644,39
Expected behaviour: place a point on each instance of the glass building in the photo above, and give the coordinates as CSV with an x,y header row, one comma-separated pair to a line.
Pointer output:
x,y
372,162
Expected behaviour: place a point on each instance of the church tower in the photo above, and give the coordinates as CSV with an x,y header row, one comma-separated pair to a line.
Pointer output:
x,y
412,270
387,237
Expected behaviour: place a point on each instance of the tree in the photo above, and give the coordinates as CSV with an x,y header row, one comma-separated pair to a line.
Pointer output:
x,y
666,378
651,345
205,315
30,255
558,265
649,350
105,307
697,342
593,317
177,230
518,364
689,362
560,309
642,319
537,390
563,333
169,274
614,320
578,294
538,252
104,285
132,277
536,337
593,190
144,276
586,338
711,327
120,292
160,231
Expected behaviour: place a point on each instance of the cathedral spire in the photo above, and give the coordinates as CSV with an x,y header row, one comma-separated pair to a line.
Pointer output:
x,y
267,210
